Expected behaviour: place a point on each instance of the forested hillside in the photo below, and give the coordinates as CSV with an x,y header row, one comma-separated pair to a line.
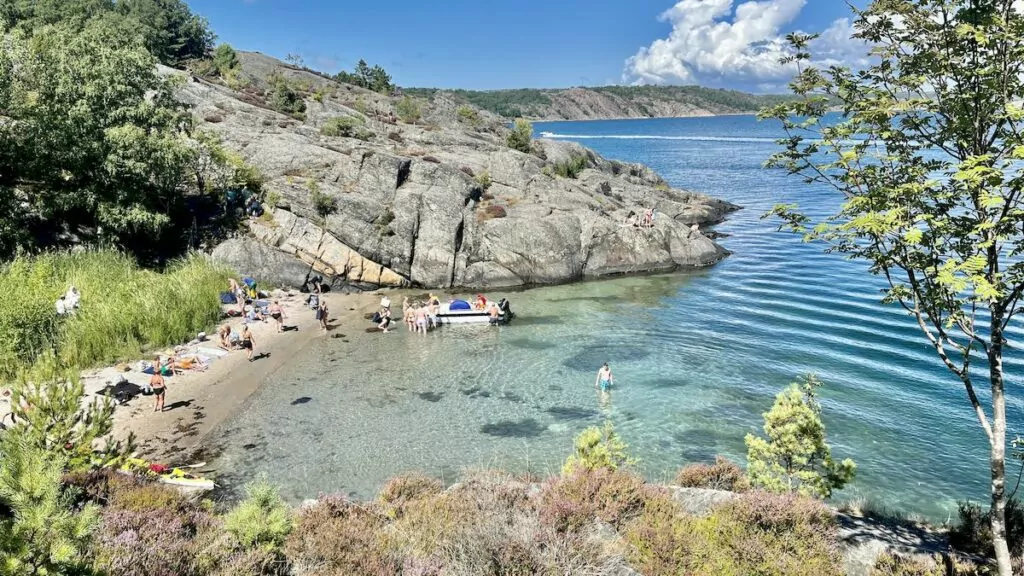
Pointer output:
x,y
610,102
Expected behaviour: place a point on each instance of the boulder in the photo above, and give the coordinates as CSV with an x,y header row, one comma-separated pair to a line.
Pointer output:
x,y
270,267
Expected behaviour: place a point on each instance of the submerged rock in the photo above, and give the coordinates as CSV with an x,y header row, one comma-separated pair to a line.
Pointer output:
x,y
442,202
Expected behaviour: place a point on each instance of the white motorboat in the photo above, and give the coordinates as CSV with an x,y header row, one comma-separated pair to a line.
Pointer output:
x,y
461,312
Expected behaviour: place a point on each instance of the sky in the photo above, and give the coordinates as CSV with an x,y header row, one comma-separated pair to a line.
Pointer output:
x,y
484,45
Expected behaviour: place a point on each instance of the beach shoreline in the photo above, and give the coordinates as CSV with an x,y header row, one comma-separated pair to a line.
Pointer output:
x,y
198,402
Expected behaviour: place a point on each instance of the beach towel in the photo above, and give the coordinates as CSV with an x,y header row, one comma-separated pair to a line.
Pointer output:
x,y
228,298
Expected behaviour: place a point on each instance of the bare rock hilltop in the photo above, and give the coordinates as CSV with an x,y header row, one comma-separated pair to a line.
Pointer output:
x,y
388,190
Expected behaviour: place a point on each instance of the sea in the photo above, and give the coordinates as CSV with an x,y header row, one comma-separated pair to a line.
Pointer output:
x,y
698,357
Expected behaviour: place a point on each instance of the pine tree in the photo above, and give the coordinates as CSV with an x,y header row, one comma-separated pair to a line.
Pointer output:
x,y
598,448
795,456
40,532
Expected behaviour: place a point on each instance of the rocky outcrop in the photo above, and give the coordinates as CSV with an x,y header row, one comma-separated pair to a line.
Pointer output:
x,y
441,202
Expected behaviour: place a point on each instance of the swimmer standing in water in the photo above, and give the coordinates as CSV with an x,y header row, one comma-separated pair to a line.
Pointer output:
x,y
604,378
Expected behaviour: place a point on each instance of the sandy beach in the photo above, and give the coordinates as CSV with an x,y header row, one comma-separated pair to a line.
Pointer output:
x,y
197,402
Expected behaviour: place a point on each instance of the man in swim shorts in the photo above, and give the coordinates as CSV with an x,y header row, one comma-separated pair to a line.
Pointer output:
x,y
604,378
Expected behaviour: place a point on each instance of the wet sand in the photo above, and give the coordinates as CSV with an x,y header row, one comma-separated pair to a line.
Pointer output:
x,y
196,402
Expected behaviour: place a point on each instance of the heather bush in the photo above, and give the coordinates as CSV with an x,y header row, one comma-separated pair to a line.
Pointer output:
x,y
889,565
338,537
401,490
346,127
574,501
758,533
597,448
724,474
483,180
262,520
408,110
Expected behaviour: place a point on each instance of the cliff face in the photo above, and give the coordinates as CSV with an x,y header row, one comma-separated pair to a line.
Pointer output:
x,y
585,104
413,202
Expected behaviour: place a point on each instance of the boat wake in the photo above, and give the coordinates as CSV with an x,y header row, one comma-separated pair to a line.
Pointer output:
x,y
655,137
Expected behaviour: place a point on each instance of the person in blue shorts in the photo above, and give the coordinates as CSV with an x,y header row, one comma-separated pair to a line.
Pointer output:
x,y
604,378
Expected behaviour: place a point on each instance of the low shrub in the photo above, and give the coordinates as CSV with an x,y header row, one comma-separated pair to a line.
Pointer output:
x,y
973,532
284,98
401,490
346,127
889,565
598,448
493,211
572,502
408,110
396,137
571,168
152,530
432,159
272,199
521,136
758,533
337,537
262,520
724,474
484,180
468,114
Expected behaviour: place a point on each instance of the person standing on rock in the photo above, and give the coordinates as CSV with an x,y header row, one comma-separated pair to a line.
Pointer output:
x,y
604,378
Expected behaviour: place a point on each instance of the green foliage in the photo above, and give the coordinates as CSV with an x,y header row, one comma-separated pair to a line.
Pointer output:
x,y
54,419
795,456
272,199
346,127
973,532
262,520
484,180
94,144
598,448
506,103
408,110
170,31
468,114
927,156
724,474
284,98
376,78
759,533
571,168
40,532
324,204
536,102
124,310
572,502
173,34
521,136
224,60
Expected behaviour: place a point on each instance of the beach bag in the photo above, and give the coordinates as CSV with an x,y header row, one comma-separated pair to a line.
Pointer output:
x,y
228,298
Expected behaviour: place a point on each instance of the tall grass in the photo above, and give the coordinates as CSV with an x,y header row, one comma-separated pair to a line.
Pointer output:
x,y
124,310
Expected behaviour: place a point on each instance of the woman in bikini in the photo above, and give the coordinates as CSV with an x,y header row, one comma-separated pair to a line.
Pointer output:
x,y
159,386
277,313
409,317
323,314
248,342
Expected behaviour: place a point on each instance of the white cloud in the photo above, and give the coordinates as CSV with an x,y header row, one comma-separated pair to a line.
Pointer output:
x,y
713,43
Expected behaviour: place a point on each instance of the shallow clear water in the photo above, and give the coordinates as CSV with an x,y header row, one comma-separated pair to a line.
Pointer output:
x,y
697,356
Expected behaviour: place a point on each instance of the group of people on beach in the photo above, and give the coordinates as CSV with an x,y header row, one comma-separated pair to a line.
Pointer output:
x,y
645,220
419,317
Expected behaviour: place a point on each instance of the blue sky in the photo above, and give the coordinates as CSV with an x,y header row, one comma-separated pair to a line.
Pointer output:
x,y
533,43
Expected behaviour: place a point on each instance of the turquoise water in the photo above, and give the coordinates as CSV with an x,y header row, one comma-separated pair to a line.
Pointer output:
x,y
697,356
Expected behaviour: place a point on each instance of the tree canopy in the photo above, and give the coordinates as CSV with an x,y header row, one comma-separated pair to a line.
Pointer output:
x,y
170,30
93,144
375,78
927,154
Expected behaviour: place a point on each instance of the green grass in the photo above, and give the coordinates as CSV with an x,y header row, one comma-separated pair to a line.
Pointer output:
x,y
124,310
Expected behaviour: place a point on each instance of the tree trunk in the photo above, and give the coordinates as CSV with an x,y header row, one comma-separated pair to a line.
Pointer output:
x,y
998,444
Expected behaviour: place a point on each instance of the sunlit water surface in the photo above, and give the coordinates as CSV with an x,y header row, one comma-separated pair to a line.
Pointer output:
x,y
697,356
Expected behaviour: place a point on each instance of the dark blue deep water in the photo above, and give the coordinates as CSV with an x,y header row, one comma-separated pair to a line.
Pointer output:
x,y
698,358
